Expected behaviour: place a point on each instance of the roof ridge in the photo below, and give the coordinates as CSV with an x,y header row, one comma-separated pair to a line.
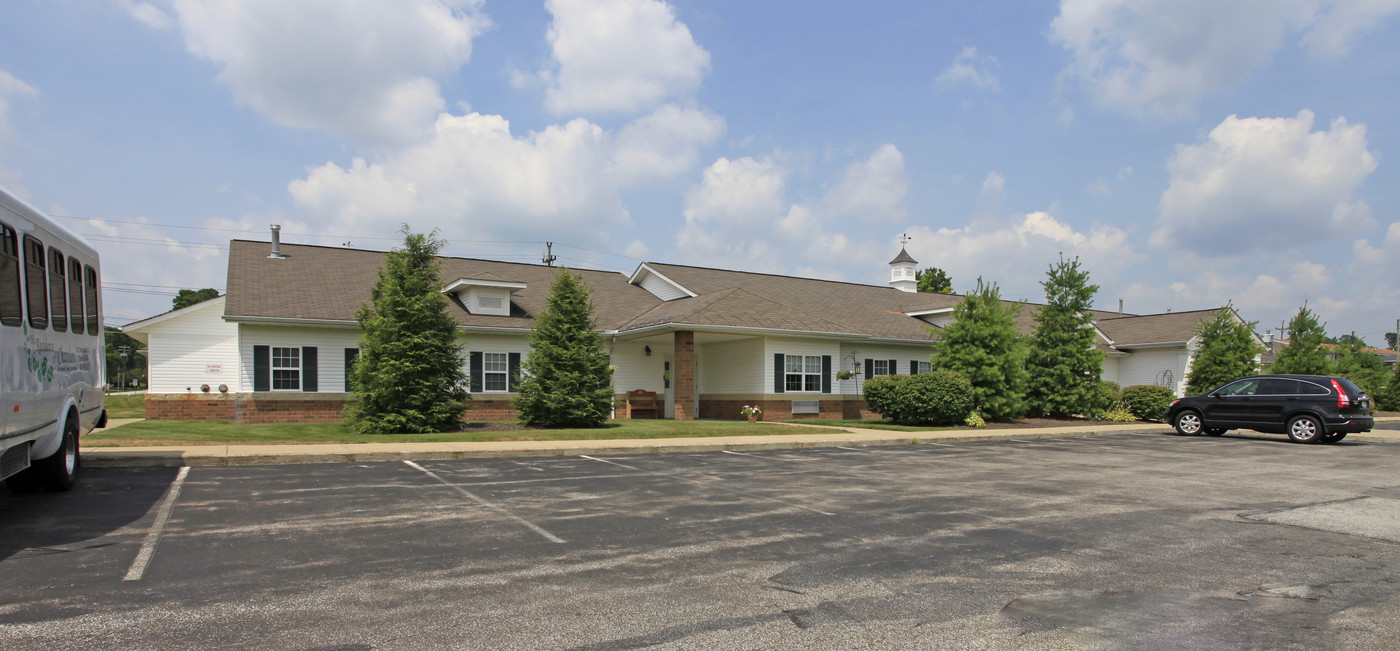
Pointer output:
x,y
444,257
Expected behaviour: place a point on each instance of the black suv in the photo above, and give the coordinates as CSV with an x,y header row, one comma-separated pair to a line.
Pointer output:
x,y
1308,408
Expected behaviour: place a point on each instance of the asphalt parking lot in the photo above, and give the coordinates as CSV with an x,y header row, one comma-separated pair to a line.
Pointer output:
x,y
1135,541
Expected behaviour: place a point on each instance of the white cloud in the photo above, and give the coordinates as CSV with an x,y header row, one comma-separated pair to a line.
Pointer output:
x,y
1160,57
968,68
993,190
1011,252
872,189
740,217
11,88
1338,23
665,143
1265,183
149,14
359,69
619,56
475,179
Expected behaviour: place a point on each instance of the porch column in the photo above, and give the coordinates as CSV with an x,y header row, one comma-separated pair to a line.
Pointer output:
x,y
685,375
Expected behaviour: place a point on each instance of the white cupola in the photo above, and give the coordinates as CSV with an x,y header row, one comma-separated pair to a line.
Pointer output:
x,y
902,272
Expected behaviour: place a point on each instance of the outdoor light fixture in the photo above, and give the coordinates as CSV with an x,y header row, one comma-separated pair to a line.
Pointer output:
x,y
648,350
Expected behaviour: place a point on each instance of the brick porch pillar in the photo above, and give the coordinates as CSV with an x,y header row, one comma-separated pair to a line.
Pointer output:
x,y
685,375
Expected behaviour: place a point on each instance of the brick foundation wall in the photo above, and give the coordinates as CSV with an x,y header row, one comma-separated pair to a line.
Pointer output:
x,y
830,407
268,408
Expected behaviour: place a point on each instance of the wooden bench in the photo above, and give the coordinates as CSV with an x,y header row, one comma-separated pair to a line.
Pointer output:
x,y
642,402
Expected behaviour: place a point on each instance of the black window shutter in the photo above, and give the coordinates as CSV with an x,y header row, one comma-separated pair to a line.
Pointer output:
x,y
869,368
826,373
894,367
310,374
779,374
913,367
262,368
352,355
513,359
475,368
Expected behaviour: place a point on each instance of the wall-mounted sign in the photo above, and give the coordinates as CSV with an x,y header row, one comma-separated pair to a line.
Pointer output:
x,y
213,368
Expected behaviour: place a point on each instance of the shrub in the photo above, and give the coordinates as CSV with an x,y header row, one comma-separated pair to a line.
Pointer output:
x,y
936,398
879,394
1117,415
1148,402
975,421
1104,398
1388,399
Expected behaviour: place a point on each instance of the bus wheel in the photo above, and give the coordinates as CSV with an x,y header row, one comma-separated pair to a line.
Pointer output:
x,y
57,472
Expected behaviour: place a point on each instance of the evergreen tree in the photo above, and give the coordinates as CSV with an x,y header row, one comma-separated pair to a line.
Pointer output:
x,y
188,297
567,380
408,377
1389,397
1365,368
983,343
933,279
1303,354
1064,366
1226,351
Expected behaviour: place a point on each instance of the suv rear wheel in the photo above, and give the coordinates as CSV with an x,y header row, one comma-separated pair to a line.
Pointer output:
x,y
1305,429
1188,423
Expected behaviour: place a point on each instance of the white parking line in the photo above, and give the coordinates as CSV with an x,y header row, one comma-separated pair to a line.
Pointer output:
x,y
707,485
768,458
840,447
468,494
148,548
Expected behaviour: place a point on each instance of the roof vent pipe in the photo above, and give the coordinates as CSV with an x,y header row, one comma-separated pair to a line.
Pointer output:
x,y
1120,307
276,242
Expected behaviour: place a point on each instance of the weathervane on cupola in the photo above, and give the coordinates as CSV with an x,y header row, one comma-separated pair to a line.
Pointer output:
x,y
902,269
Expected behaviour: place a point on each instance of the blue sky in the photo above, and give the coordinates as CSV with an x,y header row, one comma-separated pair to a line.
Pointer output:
x,y
1189,152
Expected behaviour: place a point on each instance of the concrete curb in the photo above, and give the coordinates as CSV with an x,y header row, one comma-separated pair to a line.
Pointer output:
x,y
246,455
256,455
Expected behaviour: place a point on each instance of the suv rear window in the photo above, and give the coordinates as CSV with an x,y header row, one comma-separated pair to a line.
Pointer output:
x,y
1351,388
1314,389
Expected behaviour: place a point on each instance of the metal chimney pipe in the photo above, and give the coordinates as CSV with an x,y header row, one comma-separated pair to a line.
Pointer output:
x,y
1120,307
276,242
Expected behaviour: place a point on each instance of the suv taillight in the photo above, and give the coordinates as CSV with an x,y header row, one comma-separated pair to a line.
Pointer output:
x,y
1343,400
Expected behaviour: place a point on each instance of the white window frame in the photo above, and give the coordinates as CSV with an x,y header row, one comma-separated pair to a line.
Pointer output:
x,y
294,368
924,367
489,364
879,367
809,377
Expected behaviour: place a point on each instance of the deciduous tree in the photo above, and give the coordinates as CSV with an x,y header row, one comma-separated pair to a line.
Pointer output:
x,y
188,297
933,279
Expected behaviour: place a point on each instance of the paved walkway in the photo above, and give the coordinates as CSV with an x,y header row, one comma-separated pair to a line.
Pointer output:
x,y
244,455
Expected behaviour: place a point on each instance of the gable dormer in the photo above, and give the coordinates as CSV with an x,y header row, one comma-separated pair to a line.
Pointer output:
x,y
484,296
658,284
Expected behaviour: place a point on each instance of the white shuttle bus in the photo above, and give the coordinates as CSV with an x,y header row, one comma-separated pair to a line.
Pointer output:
x,y
52,351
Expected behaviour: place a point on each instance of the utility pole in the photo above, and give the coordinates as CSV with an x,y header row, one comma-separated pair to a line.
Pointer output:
x,y
549,256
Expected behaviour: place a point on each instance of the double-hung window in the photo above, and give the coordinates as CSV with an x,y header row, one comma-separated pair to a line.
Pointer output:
x,y
880,367
802,373
495,371
286,369
917,367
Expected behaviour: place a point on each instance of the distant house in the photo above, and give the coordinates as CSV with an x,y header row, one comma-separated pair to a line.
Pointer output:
x,y
1333,351
278,345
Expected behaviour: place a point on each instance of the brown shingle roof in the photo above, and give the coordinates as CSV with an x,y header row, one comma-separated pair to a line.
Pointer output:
x,y
1172,327
330,283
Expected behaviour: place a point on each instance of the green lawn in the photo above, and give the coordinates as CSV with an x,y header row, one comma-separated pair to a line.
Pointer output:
x,y
169,432
877,424
128,405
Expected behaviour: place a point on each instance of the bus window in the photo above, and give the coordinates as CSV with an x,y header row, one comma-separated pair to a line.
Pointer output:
x,y
11,310
36,300
75,295
94,318
58,314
